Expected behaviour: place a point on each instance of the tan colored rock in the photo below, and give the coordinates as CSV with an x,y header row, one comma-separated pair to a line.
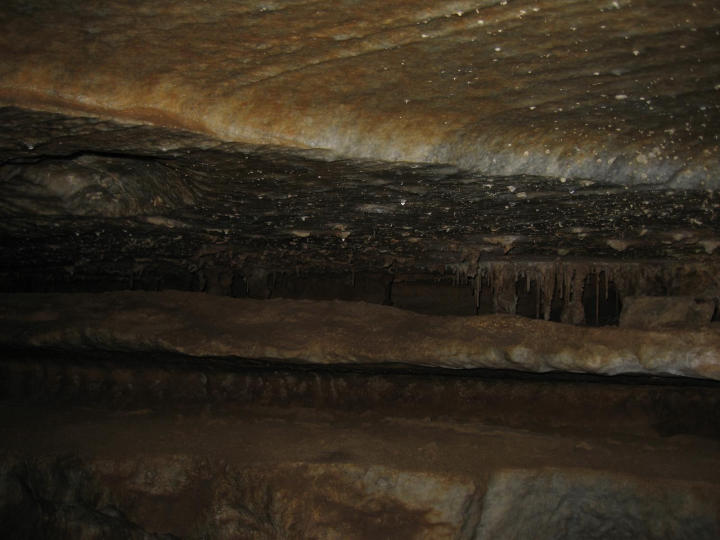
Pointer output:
x,y
650,312
617,91
346,500
344,333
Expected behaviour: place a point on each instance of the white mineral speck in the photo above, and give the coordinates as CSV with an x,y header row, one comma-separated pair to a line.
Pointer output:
x,y
620,96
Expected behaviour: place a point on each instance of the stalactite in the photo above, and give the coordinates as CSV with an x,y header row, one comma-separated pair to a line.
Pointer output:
x,y
561,283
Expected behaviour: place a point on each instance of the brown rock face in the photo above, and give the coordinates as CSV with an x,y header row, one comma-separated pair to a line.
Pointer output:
x,y
617,91
308,332
232,330
657,312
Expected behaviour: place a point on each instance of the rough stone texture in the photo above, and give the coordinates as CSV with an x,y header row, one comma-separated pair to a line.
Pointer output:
x,y
576,504
91,204
90,473
658,311
94,185
617,91
342,500
237,193
343,332
135,415
643,407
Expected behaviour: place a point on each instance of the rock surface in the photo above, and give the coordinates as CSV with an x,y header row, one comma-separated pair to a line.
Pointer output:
x,y
620,91
94,185
170,414
577,504
343,333
347,501
313,473
98,205
657,311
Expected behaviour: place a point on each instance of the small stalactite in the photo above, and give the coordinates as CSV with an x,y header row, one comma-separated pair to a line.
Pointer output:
x,y
601,301
574,292
529,300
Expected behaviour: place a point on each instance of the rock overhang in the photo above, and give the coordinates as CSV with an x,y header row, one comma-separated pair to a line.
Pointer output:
x,y
619,92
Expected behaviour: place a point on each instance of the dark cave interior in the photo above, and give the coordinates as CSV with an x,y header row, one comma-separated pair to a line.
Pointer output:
x,y
302,269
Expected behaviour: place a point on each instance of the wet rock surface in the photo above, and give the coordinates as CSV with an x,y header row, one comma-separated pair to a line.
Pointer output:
x,y
623,92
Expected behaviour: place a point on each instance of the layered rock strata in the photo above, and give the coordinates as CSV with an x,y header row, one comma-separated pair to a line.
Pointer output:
x,y
138,414
143,474
91,204
620,91
344,333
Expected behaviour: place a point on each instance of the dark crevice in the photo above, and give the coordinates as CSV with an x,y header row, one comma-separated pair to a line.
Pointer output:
x,y
529,299
601,301
85,153
180,362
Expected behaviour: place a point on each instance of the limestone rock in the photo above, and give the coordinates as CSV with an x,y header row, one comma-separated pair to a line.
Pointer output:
x,y
620,91
666,311
337,333
94,185
291,500
342,500
562,504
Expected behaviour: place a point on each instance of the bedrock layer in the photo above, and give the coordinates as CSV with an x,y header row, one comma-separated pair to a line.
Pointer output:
x,y
312,332
613,91
86,473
